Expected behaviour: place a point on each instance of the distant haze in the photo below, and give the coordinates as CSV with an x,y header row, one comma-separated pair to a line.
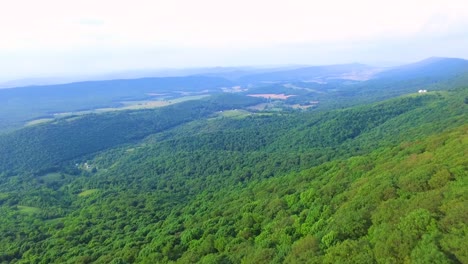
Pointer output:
x,y
57,38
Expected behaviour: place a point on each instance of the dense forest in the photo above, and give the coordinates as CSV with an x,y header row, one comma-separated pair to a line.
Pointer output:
x,y
384,182
44,146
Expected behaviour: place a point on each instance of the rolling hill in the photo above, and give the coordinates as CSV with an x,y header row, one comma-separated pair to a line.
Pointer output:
x,y
22,104
333,86
376,183
435,67
313,73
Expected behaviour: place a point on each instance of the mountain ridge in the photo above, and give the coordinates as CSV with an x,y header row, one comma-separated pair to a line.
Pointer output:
x,y
372,183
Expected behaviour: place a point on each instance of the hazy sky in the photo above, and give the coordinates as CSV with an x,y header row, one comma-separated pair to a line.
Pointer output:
x,y
64,37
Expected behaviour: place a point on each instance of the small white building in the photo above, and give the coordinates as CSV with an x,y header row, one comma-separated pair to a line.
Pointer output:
x,y
422,91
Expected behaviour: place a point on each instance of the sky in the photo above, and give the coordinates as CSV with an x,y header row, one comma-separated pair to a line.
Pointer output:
x,y
51,38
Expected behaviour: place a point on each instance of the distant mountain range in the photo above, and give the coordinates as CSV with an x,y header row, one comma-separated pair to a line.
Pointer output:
x,y
230,73
431,67
312,172
304,83
315,73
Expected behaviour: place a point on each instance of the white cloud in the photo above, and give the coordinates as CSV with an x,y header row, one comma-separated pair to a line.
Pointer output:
x,y
89,33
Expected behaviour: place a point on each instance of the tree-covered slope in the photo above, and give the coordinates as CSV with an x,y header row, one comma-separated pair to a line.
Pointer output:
x,y
22,104
430,74
42,147
398,204
432,68
382,183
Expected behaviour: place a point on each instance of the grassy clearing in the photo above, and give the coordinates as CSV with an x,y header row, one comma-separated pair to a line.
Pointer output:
x,y
127,105
39,121
237,114
147,104
188,98
87,192
144,105
69,119
272,96
303,107
134,105
28,209
267,114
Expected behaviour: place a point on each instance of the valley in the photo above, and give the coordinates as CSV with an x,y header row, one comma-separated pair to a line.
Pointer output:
x,y
239,170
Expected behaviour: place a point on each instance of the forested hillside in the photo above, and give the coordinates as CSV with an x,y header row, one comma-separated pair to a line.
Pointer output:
x,y
42,147
378,183
312,88
21,104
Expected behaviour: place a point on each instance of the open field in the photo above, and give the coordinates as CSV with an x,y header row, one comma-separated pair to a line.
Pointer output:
x,y
271,96
127,105
135,105
303,107
28,209
239,114
132,105
38,121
